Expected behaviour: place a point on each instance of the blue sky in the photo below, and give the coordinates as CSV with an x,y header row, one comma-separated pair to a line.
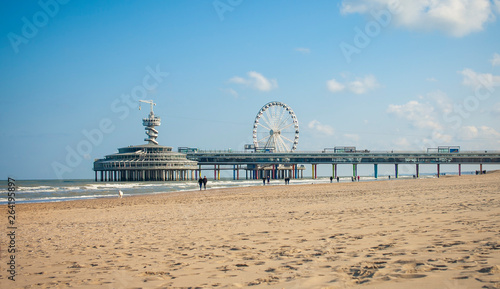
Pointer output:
x,y
379,75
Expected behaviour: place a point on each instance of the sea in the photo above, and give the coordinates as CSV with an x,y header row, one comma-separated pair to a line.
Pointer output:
x,y
41,191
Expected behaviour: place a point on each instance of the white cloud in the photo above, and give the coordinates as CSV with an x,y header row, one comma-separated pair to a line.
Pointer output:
x,y
441,101
237,79
431,79
468,132
303,50
427,114
420,115
478,133
454,17
359,85
334,86
321,128
230,91
496,4
363,85
256,81
495,61
474,79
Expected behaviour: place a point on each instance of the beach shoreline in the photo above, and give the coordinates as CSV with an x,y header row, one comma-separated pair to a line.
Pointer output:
x,y
435,232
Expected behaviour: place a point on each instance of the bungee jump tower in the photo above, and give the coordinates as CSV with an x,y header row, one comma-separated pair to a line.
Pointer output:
x,y
147,162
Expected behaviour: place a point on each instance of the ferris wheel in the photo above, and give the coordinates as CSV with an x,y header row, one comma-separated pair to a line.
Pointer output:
x,y
276,128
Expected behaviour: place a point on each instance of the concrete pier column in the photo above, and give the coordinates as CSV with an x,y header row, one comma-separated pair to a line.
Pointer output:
x,y
375,171
355,170
480,169
438,170
459,169
417,172
396,171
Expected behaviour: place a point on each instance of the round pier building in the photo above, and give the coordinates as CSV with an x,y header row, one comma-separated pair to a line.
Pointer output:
x,y
147,162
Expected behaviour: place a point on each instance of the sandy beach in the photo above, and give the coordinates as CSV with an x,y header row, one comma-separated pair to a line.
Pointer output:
x,y
422,233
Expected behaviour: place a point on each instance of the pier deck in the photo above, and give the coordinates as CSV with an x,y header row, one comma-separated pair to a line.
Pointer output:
x,y
239,158
256,161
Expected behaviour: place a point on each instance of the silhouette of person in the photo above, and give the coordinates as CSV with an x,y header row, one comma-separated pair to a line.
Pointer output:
x,y
200,182
205,181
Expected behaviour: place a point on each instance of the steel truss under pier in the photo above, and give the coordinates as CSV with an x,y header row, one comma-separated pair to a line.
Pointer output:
x,y
285,164
149,162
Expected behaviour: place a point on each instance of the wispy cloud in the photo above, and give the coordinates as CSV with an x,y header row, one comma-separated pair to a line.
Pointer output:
x,y
256,81
420,115
321,128
495,61
303,50
454,17
471,132
359,85
230,91
474,79
334,86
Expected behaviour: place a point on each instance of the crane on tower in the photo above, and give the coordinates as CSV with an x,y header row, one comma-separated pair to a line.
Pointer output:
x,y
147,101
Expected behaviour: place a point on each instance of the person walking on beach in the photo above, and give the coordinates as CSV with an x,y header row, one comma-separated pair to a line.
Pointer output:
x,y
338,179
331,180
205,181
200,182
263,181
268,178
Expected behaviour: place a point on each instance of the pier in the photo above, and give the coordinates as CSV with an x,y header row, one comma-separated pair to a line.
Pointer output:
x,y
272,155
291,164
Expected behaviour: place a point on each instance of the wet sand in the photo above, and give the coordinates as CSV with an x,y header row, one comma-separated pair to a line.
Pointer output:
x,y
423,233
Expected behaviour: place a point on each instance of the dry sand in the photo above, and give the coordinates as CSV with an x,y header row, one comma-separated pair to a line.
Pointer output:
x,y
423,233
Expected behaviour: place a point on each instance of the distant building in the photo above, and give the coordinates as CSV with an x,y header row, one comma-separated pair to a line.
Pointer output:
x,y
147,162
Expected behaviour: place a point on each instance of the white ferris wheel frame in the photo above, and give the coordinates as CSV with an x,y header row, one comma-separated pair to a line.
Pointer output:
x,y
274,118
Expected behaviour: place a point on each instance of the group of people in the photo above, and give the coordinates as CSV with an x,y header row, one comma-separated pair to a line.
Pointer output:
x,y
203,182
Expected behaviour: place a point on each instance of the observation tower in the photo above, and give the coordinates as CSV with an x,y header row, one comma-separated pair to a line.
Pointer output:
x,y
146,162
150,122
